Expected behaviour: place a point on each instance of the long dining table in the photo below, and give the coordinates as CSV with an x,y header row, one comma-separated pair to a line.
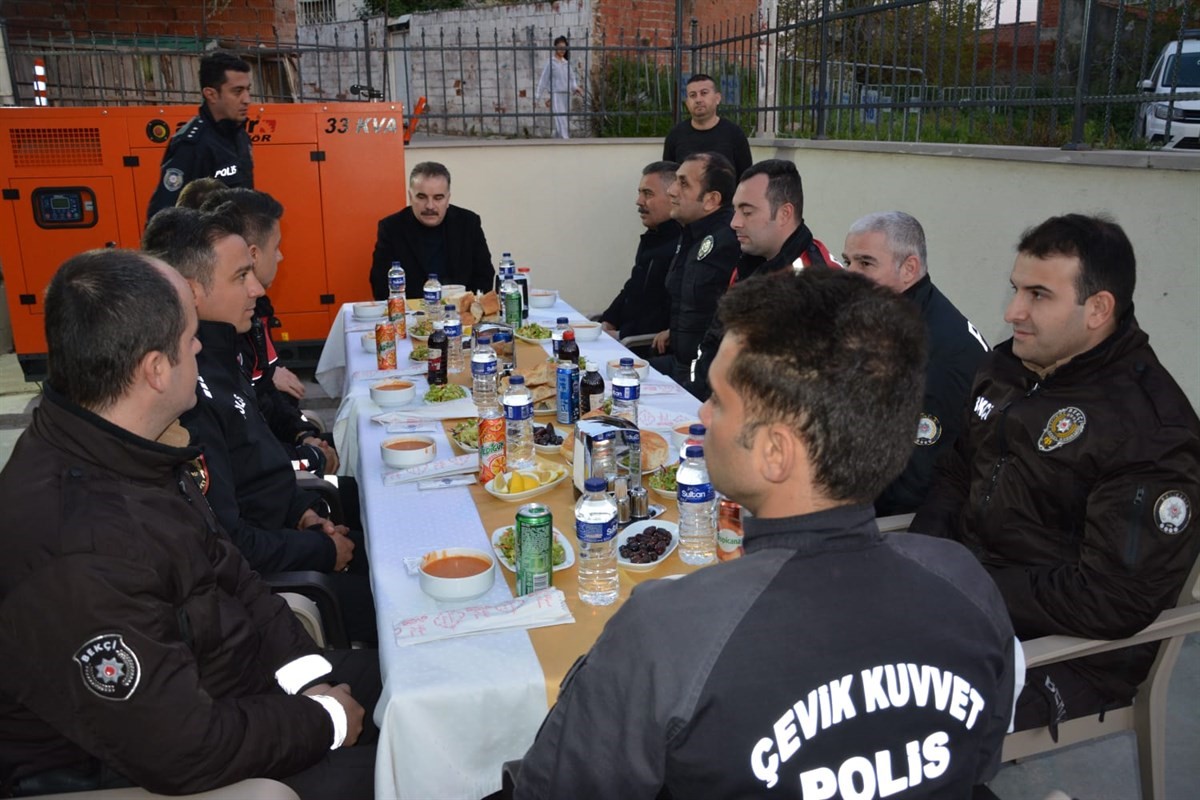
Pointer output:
x,y
454,710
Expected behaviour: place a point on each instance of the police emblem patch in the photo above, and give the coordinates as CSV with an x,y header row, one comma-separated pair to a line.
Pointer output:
x,y
109,668
929,430
1172,512
1064,427
706,247
173,179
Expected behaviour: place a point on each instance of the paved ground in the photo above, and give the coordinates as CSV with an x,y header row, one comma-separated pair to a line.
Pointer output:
x,y
1103,770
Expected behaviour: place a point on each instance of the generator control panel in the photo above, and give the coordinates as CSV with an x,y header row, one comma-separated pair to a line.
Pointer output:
x,y
64,207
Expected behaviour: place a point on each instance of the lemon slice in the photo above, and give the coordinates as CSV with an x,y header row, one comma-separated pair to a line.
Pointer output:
x,y
532,479
500,484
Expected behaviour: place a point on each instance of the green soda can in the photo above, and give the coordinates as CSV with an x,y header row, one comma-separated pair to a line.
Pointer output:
x,y
534,546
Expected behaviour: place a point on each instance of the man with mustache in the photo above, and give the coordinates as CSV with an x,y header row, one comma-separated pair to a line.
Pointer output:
x,y
431,237
643,305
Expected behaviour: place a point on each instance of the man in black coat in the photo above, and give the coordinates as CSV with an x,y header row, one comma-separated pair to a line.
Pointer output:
x,y
889,248
214,144
431,237
643,305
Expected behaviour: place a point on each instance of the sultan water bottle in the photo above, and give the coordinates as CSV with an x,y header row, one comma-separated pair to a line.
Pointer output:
x,y
556,335
697,510
506,261
596,528
626,389
518,425
452,326
433,298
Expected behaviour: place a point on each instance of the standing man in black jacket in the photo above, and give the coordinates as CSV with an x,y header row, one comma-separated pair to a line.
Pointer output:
x,y
432,237
214,144
1076,476
889,248
704,131
707,254
643,305
139,646
251,484
768,220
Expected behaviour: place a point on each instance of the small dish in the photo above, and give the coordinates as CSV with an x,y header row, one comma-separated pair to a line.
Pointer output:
x,y
368,342
624,536
586,331
545,408
553,449
528,340
520,497
542,298
568,551
454,579
641,367
409,450
393,392
459,443
375,309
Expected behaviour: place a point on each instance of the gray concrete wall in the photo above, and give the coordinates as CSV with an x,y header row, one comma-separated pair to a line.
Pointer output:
x,y
566,209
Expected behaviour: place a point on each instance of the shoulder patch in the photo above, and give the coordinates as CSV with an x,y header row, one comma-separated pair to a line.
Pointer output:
x,y
1064,426
108,667
706,247
197,468
929,430
1172,512
173,179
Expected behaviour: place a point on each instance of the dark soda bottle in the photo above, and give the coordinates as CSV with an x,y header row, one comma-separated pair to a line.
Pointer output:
x,y
439,353
569,349
591,389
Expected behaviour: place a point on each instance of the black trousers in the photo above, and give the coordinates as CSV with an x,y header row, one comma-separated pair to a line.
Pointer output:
x,y
1055,693
348,772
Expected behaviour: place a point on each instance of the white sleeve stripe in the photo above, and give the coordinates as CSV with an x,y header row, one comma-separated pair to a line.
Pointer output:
x,y
337,714
295,675
1018,680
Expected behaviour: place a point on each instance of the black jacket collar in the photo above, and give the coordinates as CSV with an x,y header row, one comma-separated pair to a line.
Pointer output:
x,y
227,127
845,527
1127,337
794,247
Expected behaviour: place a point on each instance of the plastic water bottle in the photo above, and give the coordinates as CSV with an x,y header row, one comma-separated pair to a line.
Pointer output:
x,y
596,528
556,336
433,297
626,389
483,373
518,425
510,300
521,276
454,349
697,510
506,262
695,436
397,283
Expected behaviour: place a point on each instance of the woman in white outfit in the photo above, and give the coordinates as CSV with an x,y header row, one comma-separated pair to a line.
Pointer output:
x,y
559,79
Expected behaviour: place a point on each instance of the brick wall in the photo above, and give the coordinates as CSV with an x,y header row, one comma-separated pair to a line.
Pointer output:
x,y
208,19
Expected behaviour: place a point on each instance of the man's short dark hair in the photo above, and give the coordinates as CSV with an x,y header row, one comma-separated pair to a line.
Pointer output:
x,y
184,238
663,169
105,310
1106,260
260,212
718,175
839,360
783,184
430,169
196,192
213,67
700,76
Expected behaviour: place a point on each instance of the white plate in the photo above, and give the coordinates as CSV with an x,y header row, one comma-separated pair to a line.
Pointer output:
x,y
545,408
637,528
569,561
529,340
460,445
521,497
553,449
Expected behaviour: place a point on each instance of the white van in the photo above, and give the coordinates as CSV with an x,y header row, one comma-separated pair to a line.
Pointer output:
x,y
1184,114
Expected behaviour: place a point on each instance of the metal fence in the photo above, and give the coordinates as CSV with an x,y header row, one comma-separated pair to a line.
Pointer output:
x,y
1018,72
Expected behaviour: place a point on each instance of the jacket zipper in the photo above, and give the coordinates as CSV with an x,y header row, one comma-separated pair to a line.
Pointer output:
x,y
1003,459
1133,533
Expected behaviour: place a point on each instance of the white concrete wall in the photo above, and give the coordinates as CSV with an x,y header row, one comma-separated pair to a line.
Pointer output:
x,y
566,209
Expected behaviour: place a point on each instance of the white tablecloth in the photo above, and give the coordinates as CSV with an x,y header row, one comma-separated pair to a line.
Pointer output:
x,y
452,712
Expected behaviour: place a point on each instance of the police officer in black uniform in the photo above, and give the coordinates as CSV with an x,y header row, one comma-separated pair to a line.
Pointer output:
x,y
214,144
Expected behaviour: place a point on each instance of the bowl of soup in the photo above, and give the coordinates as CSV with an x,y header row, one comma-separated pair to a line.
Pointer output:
x,y
587,331
542,298
642,368
410,450
368,342
374,309
393,392
457,573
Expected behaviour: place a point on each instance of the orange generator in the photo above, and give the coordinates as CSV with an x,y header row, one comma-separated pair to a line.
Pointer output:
x,y
74,179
